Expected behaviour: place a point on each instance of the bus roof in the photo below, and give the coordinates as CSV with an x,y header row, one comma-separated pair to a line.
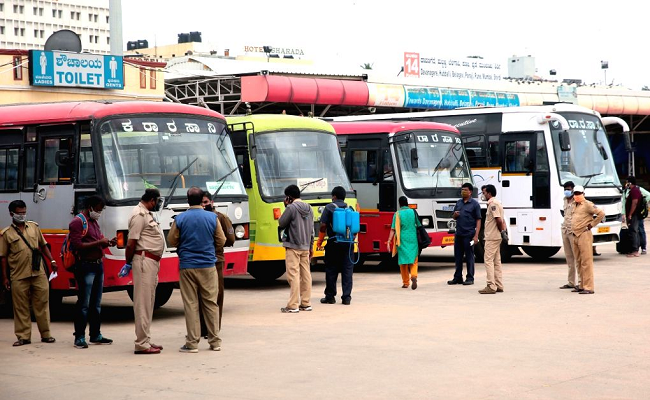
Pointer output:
x,y
39,113
364,127
276,122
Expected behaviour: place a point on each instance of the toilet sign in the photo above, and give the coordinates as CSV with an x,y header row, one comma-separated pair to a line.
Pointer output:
x,y
55,68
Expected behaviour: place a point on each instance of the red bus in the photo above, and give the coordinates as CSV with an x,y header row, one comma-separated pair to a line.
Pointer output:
x,y
54,155
424,161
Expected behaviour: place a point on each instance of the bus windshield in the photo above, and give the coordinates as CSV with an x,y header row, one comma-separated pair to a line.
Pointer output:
x,y
441,160
586,162
150,152
308,159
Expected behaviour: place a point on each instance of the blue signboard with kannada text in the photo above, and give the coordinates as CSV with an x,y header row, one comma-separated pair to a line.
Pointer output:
x,y
449,99
64,69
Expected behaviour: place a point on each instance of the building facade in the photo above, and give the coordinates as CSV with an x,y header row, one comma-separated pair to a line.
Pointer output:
x,y
26,24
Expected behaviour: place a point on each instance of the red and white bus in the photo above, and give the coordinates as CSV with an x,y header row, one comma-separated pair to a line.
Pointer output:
x,y
424,161
54,155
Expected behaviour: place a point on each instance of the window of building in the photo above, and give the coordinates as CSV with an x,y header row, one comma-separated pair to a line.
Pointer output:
x,y
95,17
108,40
2,6
40,11
15,8
18,69
22,31
90,18
107,19
90,38
35,33
2,30
53,13
21,9
143,78
71,14
41,33
96,38
78,16
152,79
60,13
35,10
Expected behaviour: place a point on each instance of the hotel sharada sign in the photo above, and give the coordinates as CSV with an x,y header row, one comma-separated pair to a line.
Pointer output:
x,y
55,68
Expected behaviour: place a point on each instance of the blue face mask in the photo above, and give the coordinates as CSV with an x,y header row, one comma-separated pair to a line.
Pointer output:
x,y
568,193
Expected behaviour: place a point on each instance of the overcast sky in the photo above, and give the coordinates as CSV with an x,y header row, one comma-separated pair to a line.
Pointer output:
x,y
570,36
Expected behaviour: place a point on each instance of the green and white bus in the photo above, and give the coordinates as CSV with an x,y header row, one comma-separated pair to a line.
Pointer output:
x,y
273,152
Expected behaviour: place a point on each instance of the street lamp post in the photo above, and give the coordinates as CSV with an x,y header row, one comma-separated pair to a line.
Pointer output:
x,y
604,65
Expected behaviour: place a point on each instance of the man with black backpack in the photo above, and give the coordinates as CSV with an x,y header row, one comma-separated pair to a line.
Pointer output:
x,y
636,209
337,255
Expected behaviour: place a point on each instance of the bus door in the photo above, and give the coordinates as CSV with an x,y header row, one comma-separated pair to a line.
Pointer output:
x,y
51,204
517,166
370,169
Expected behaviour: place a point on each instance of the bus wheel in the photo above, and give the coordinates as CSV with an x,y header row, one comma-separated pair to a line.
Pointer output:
x,y
267,271
163,294
540,253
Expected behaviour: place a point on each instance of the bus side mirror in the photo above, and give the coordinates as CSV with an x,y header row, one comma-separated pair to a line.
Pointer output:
x,y
414,158
565,141
628,141
252,148
62,158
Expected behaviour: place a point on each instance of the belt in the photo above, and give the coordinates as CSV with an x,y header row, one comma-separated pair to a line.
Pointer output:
x,y
99,261
148,255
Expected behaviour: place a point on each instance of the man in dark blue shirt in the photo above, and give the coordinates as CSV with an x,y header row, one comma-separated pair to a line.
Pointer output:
x,y
337,255
467,214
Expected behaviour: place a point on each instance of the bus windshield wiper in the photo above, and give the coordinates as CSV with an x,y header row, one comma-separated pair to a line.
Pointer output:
x,y
223,178
437,169
306,185
175,183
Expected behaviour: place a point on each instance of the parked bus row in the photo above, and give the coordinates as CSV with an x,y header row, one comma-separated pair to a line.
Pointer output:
x,y
54,155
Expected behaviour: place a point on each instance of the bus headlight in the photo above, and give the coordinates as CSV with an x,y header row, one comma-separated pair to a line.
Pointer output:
x,y
426,221
241,231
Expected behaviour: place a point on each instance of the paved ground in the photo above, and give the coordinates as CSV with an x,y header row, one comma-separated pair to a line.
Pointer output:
x,y
448,342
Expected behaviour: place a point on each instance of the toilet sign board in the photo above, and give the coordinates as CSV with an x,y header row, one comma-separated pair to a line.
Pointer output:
x,y
65,69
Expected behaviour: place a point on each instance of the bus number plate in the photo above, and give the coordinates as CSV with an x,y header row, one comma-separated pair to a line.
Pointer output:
x,y
603,229
448,240
448,208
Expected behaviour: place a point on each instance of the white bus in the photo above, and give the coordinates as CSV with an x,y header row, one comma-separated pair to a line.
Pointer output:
x,y
528,153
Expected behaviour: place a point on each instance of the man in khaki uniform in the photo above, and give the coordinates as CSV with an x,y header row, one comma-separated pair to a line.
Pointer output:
x,y
29,283
581,223
196,234
494,228
567,237
143,251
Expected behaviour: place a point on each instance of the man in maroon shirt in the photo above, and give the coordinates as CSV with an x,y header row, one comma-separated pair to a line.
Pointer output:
x,y
632,205
89,271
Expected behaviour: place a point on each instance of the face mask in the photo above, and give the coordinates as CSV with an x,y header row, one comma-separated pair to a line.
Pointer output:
x,y
208,207
568,193
95,215
483,198
19,218
579,198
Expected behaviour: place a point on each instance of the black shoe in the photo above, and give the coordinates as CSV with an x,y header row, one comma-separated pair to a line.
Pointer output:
x,y
347,301
101,340
455,282
328,300
468,283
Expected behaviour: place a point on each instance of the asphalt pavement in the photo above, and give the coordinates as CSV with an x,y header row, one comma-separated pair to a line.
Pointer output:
x,y
534,341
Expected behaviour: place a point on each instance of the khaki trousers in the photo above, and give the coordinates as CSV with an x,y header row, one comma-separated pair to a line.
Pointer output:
x,y
199,289
34,290
583,252
409,271
299,277
145,280
492,259
567,241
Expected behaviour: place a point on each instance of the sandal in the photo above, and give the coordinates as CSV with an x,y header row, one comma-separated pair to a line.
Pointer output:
x,y
48,340
405,286
22,342
567,286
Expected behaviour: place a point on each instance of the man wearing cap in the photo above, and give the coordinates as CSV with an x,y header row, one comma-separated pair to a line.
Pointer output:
x,y
567,237
585,217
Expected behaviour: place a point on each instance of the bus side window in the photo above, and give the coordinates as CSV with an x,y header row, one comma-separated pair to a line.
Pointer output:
x,y
86,174
29,179
493,151
52,172
517,156
9,169
364,166
387,166
541,158
475,150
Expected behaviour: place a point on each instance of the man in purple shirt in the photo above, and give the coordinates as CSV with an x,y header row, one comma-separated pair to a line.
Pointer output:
x,y
632,207
88,245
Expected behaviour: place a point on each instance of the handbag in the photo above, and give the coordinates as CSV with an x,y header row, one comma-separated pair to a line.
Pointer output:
x,y
37,257
424,240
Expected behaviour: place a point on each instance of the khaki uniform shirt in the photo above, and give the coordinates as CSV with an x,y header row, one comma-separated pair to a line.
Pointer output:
x,y
146,230
583,215
569,208
19,256
494,211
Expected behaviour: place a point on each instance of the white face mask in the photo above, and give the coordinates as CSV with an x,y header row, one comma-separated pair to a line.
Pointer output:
x,y
483,198
19,218
95,215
